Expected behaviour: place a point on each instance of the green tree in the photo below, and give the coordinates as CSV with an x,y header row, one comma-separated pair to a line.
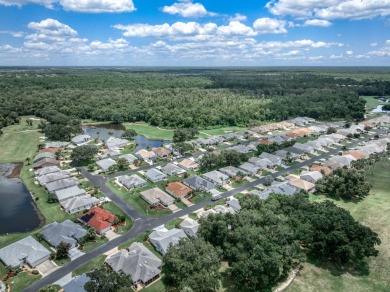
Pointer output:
x,y
122,164
129,134
51,288
83,155
104,279
192,263
184,134
62,250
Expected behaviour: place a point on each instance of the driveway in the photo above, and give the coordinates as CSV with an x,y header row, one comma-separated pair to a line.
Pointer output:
x,y
75,253
47,267
110,234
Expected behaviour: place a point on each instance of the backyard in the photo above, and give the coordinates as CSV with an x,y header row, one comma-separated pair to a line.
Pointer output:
x,y
373,211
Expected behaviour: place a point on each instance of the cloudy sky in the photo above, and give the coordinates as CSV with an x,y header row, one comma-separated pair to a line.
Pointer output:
x,y
195,32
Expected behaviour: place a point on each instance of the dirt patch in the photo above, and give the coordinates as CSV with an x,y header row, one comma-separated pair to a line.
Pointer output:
x,y
16,171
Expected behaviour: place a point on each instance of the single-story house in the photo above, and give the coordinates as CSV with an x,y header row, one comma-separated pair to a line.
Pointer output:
x,y
113,142
162,240
231,171
261,162
235,204
188,164
44,155
295,152
155,175
276,160
46,162
178,190
132,181
81,140
48,178
283,188
285,153
355,153
311,176
261,194
302,184
190,227
67,231
156,196
324,141
99,219
79,203
304,147
106,163
279,139
240,149
249,168
25,251
221,209
145,155
315,144
111,152
56,144
47,170
322,169
70,192
138,262
161,152
172,169
216,177
336,161
61,184
129,158
76,284
372,148
198,183
206,213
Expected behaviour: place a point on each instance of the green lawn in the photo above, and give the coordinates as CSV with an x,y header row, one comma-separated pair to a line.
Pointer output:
x,y
19,141
199,197
374,212
95,263
150,132
372,102
133,197
114,209
155,287
21,281
173,223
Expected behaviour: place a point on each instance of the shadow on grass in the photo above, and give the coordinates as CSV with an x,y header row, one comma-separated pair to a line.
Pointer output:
x,y
358,269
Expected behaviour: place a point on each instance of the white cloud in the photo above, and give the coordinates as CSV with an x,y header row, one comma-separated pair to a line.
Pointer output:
x,y
16,34
52,27
349,53
373,44
269,25
330,9
111,44
317,22
90,6
238,17
186,8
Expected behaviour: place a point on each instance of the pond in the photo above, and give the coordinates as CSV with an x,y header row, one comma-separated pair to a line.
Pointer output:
x,y
379,109
105,131
18,212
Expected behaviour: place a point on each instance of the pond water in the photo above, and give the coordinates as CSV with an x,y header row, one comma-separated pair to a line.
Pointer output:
x,y
379,109
17,209
105,131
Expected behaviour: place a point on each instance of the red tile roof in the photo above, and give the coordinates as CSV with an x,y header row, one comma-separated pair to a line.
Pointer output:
x,y
98,218
178,189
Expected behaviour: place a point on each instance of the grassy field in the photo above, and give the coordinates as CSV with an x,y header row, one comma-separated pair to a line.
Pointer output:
x,y
19,141
371,102
150,132
374,212
96,262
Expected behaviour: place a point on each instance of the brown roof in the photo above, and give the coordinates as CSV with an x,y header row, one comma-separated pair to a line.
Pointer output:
x,y
161,151
355,154
325,169
302,184
265,142
51,150
98,218
43,161
178,189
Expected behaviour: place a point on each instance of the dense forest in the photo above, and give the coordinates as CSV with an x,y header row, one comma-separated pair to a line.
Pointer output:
x,y
174,98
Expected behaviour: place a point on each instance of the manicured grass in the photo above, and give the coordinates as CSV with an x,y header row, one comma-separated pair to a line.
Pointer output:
x,y
155,287
142,238
135,200
3,271
173,223
21,281
95,263
92,245
372,102
373,211
221,130
114,209
150,132
199,197
238,183
19,141
180,204
193,216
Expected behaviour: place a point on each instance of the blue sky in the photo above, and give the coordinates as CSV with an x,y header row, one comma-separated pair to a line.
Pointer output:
x,y
195,33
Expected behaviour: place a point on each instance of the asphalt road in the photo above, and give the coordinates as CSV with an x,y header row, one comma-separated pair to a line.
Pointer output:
x,y
142,224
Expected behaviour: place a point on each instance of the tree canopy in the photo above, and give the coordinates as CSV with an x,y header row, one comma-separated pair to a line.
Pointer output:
x,y
107,280
83,155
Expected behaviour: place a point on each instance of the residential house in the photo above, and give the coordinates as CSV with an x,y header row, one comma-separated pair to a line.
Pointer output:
x,y
276,160
146,155
261,162
311,176
129,158
156,197
178,190
231,171
25,251
241,148
161,152
79,203
304,147
67,193
286,154
325,141
322,169
46,162
261,194
138,262
216,177
162,240
315,144
339,161
107,153
106,163
302,184
235,204
249,168
279,139
190,227
206,213
172,169
44,155
56,144
283,188
48,178
61,184
99,219
113,142
155,175
198,183
189,164
47,170
221,209
76,284
355,153
67,231
81,140
294,152
132,181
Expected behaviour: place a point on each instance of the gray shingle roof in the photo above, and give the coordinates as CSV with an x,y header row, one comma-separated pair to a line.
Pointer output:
x,y
190,226
231,170
70,192
249,167
165,238
216,177
129,158
116,142
44,155
80,139
66,231
138,262
47,170
155,175
77,284
27,250
133,181
260,162
105,164
79,203
198,183
47,178
62,184
56,144
275,159
172,169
